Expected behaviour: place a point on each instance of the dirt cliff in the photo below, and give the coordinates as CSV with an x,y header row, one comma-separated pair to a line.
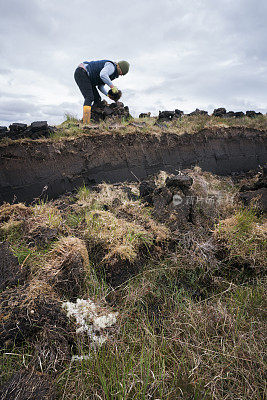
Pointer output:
x,y
30,168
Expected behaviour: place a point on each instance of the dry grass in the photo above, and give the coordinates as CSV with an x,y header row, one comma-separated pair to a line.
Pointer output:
x,y
14,212
222,342
215,196
173,347
121,238
19,220
124,228
187,124
189,328
46,214
11,228
73,127
245,238
13,219
67,267
106,195
193,124
65,247
37,288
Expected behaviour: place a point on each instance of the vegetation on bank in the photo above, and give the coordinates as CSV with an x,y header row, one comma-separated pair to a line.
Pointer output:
x,y
190,298
73,127
186,124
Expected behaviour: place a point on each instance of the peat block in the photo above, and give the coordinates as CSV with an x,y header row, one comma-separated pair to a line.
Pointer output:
x,y
17,127
11,273
26,310
180,181
252,114
198,112
3,130
219,112
38,126
103,110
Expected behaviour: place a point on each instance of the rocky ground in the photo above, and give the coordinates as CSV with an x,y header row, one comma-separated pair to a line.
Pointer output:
x,y
150,289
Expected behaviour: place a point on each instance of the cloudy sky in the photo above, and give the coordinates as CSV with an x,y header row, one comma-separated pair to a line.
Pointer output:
x,y
184,54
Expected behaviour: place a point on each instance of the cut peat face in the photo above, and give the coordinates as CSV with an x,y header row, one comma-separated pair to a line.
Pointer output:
x,y
31,168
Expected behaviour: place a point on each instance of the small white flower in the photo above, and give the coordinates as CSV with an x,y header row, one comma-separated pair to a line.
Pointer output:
x,y
88,320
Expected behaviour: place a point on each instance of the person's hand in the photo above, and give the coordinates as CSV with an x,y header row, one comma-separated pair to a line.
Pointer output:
x,y
114,90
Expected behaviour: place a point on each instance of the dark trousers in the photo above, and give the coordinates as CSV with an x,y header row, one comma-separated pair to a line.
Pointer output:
x,y
89,92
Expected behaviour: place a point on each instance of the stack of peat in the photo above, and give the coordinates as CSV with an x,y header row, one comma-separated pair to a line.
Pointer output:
x,y
17,130
165,116
221,112
103,110
169,115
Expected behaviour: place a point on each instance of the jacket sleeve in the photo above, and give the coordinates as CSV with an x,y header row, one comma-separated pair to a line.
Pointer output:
x,y
102,89
106,72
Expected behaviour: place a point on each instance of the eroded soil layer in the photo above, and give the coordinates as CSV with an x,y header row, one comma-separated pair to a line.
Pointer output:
x,y
31,168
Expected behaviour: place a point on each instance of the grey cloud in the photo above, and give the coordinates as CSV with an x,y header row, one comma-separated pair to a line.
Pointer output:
x,y
19,106
5,94
204,53
4,71
25,111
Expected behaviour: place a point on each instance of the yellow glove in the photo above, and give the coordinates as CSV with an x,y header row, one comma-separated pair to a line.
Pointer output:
x,y
114,90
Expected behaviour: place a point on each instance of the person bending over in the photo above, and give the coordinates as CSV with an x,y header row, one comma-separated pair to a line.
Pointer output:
x,y
90,75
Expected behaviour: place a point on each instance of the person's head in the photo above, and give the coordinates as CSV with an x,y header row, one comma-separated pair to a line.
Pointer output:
x,y
123,67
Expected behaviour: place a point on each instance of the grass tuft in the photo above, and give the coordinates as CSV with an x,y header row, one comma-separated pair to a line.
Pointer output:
x,y
245,238
190,326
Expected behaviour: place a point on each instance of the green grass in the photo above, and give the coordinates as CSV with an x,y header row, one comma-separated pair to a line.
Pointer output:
x,y
71,118
141,367
14,359
73,127
181,349
189,327
244,236
11,231
187,124
74,220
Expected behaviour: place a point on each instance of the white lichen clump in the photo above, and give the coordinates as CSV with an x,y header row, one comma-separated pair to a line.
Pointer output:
x,y
80,358
89,319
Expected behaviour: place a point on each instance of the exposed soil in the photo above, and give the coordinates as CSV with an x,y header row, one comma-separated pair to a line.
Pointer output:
x,y
30,169
163,227
185,238
11,273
